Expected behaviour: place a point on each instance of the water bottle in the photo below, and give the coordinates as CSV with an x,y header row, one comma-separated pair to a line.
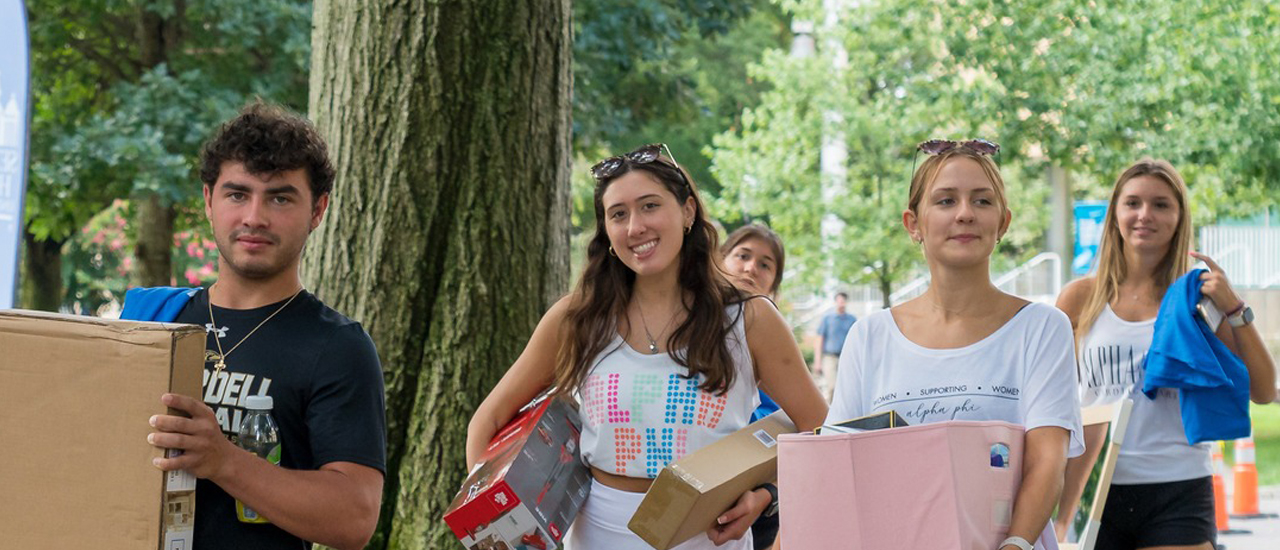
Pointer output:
x,y
258,435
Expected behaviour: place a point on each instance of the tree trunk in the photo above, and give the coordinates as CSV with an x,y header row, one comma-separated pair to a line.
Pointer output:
x,y
448,234
886,289
41,285
154,248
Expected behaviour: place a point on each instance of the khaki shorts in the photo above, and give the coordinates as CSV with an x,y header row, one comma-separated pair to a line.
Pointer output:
x,y
829,365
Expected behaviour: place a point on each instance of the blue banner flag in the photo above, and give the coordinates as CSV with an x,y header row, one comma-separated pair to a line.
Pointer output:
x,y
15,72
1090,216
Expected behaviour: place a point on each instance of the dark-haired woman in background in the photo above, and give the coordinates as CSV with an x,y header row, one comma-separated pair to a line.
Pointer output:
x,y
754,258
663,354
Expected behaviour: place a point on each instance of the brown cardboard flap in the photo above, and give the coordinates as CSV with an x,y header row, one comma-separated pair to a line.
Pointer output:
x,y
75,396
689,494
139,332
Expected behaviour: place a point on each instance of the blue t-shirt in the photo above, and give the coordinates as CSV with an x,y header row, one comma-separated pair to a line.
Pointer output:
x,y
1186,355
833,330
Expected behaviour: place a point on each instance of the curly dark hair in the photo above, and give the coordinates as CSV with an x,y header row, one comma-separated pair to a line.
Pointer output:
x,y
269,139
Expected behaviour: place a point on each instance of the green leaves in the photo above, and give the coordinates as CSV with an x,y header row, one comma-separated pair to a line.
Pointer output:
x,y
113,118
1088,86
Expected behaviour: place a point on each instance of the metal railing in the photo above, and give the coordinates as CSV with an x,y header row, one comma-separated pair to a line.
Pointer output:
x,y
910,290
1025,280
1038,279
1249,255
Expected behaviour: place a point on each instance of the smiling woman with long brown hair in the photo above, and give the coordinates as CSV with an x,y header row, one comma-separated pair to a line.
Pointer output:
x,y
663,354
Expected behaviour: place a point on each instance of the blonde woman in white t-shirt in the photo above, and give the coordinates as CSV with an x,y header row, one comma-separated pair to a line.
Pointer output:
x,y
1161,496
964,350
663,354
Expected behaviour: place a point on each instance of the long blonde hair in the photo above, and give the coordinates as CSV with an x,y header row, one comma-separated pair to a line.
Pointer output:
x,y
1112,269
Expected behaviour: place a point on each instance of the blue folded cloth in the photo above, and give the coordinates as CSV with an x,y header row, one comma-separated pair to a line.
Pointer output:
x,y
1185,354
161,303
767,407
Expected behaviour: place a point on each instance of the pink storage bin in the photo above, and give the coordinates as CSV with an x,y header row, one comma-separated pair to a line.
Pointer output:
x,y
939,486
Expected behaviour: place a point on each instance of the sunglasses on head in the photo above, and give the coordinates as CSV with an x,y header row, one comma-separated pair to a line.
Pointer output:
x,y
644,155
940,146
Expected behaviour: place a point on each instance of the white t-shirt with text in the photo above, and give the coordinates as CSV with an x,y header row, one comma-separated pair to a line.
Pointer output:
x,y
1023,373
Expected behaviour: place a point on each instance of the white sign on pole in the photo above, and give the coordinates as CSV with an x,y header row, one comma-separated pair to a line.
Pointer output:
x,y
15,72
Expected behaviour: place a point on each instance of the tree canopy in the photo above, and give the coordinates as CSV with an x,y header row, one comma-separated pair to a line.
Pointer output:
x,y
125,91
1090,87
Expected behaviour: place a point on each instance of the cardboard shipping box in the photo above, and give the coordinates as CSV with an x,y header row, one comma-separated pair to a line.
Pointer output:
x,y
75,465
690,493
529,484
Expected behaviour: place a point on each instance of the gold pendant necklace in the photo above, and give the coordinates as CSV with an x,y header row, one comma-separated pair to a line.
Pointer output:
x,y
222,357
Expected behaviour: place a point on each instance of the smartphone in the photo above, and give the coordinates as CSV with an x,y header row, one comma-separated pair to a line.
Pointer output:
x,y
1210,313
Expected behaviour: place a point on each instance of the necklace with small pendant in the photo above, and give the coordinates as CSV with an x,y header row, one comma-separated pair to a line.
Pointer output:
x,y
653,343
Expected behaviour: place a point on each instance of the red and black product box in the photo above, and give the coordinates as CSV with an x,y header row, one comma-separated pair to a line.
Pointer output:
x,y
529,483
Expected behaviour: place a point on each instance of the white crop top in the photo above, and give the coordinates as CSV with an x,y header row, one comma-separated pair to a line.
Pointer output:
x,y
1111,367
640,413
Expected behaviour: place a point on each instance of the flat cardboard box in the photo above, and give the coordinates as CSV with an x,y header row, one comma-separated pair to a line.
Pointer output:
x,y
690,493
75,465
528,485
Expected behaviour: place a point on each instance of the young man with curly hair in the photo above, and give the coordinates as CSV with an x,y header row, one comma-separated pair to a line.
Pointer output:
x,y
267,179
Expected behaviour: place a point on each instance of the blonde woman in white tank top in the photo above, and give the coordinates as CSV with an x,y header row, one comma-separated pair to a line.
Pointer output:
x,y
1161,497
662,352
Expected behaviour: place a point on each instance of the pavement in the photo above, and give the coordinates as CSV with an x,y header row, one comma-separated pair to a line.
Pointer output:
x,y
1256,533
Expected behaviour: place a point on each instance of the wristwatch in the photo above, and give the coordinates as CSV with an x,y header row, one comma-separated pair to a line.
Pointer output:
x,y
1019,542
772,509
1244,317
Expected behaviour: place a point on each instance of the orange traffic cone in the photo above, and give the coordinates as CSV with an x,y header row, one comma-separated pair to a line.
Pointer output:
x,y
1244,497
1219,489
1244,503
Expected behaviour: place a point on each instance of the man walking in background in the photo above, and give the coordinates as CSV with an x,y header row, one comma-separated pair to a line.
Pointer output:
x,y
831,333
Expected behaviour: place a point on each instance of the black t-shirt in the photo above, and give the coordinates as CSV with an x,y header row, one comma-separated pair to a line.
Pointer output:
x,y
323,374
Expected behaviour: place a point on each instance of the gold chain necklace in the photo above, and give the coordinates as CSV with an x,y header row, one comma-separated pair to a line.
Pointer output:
x,y
222,363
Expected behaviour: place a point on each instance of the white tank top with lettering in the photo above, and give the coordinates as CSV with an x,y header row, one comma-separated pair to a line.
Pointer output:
x,y
1111,367
640,413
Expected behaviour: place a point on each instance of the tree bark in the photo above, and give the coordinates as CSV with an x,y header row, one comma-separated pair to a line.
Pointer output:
x,y
41,287
448,233
154,247
886,290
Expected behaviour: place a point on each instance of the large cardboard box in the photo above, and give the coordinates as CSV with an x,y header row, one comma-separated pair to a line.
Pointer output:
x,y
528,485
689,494
945,485
75,465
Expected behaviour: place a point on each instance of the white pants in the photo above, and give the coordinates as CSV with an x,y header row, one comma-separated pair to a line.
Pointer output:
x,y
602,525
